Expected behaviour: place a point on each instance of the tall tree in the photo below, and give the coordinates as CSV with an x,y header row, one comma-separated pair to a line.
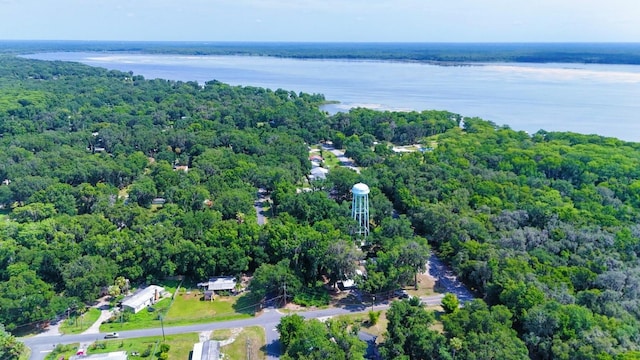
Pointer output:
x,y
341,260
86,275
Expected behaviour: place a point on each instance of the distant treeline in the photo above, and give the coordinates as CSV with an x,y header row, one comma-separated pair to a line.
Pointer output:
x,y
442,53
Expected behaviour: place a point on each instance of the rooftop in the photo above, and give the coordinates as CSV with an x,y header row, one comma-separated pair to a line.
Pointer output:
x,y
220,283
141,296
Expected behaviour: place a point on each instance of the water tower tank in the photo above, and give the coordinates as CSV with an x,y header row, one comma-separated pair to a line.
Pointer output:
x,y
360,208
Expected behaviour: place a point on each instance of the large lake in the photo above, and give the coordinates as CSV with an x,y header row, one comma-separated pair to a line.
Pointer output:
x,y
590,99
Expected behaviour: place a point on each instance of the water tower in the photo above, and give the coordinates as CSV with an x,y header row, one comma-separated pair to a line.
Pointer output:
x,y
360,208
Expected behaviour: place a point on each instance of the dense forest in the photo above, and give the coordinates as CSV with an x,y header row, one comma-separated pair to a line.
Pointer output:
x,y
543,227
438,53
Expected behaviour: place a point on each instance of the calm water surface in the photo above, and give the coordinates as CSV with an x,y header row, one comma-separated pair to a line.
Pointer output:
x,y
590,99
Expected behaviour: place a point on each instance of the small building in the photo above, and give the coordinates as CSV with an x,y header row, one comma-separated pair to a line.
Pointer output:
x,y
318,173
158,201
219,283
208,350
116,355
142,298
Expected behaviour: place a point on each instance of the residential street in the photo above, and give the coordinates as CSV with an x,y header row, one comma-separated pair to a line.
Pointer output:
x,y
269,319
259,205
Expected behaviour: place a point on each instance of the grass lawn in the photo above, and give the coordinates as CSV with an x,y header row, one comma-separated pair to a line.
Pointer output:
x,y
425,286
142,320
76,325
181,346
186,309
189,309
247,344
330,160
63,350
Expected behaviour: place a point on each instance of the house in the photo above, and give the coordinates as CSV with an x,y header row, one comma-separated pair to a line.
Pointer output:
x,y
208,350
219,283
116,355
142,298
318,173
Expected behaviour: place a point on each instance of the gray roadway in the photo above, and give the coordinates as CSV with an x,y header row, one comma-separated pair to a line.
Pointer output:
x,y
268,319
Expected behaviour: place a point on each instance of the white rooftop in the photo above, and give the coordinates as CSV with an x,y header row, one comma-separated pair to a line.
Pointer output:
x,y
141,296
220,283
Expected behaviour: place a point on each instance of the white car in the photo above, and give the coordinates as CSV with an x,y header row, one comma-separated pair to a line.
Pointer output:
x,y
112,335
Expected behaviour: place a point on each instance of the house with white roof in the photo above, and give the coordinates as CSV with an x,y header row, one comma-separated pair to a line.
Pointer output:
x,y
143,298
218,283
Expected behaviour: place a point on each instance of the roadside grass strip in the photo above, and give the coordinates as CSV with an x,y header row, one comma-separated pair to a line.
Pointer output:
x,y
247,344
180,346
78,324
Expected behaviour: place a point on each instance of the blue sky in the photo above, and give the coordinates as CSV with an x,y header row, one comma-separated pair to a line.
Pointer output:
x,y
326,20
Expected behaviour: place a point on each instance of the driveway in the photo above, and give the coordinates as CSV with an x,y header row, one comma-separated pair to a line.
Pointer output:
x,y
259,205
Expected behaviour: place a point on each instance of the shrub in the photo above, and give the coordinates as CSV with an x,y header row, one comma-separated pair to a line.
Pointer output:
x,y
450,303
164,348
374,316
146,352
317,296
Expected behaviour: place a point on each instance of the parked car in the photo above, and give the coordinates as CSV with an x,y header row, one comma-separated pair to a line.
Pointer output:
x,y
402,294
112,335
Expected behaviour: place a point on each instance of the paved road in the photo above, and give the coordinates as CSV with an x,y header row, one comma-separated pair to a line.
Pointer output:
x,y
344,161
259,205
446,280
269,319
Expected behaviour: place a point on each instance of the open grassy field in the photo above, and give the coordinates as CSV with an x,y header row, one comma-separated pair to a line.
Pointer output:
x,y
181,346
76,325
187,308
190,309
247,344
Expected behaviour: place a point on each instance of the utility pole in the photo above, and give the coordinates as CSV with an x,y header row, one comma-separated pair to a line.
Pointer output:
x,y
285,293
162,324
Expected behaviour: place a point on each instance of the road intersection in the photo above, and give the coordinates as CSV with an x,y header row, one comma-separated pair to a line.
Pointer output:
x,y
268,319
